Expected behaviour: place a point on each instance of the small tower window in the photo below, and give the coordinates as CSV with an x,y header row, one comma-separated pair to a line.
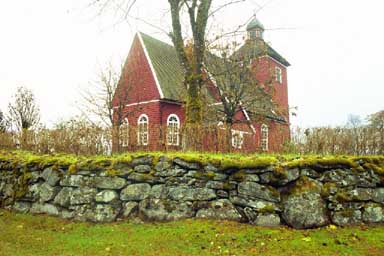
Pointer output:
x,y
264,137
142,133
124,133
279,75
173,127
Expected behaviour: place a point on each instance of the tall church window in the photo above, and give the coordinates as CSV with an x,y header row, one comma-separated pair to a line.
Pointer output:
x,y
237,139
264,137
279,75
124,133
173,130
142,132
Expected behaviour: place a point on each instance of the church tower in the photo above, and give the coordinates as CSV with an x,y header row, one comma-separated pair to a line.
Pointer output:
x,y
255,29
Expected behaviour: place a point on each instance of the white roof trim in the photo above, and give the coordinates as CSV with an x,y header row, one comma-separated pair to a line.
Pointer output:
x,y
248,119
151,66
278,62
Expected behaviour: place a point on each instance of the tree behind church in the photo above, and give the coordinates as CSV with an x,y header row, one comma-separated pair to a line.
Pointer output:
x,y
23,113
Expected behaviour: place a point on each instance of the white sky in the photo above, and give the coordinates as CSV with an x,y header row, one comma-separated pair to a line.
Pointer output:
x,y
55,47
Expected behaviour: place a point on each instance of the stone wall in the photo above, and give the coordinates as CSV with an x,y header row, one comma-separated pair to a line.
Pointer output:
x,y
164,189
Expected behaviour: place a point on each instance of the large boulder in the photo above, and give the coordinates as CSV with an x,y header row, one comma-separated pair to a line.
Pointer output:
x,y
256,204
145,160
281,177
368,179
49,209
186,165
373,213
106,196
342,177
47,192
135,192
82,196
71,196
52,177
164,210
162,166
378,195
220,185
103,213
267,220
76,181
191,194
346,217
110,182
130,209
360,194
171,172
255,190
303,206
21,207
145,178
33,192
159,191
221,209
143,168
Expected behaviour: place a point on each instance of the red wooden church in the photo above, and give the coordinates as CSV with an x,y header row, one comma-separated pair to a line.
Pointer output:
x,y
150,98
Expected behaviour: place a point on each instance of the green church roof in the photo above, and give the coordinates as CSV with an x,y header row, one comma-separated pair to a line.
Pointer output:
x,y
170,74
166,66
255,23
258,47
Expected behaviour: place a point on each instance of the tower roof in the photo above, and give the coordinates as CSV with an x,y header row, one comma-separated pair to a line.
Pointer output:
x,y
255,23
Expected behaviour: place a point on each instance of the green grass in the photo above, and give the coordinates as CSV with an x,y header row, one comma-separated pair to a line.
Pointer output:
x,y
40,235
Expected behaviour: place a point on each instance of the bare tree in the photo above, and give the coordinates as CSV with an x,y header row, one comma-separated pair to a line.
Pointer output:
x,y
105,102
376,122
97,99
23,113
2,122
189,52
236,87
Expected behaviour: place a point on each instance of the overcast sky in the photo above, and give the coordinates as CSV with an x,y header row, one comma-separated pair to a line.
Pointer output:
x,y
56,47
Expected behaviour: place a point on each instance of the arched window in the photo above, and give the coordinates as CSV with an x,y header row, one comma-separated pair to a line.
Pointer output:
x,y
237,139
124,133
278,75
264,137
142,132
173,127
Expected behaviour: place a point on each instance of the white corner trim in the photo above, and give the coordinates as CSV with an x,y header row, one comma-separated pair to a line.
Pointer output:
x,y
151,66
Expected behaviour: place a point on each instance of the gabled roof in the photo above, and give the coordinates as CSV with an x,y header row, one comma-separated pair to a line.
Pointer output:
x,y
166,66
169,73
258,47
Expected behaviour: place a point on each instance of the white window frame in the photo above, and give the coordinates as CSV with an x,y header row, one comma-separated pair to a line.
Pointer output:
x,y
124,128
279,74
264,137
173,130
237,139
143,134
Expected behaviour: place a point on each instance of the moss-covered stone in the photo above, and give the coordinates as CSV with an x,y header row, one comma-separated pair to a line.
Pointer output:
x,y
304,184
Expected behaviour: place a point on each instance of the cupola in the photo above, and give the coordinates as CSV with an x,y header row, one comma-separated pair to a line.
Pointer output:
x,y
255,29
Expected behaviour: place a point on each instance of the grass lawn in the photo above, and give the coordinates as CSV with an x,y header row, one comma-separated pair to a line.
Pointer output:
x,y
23,234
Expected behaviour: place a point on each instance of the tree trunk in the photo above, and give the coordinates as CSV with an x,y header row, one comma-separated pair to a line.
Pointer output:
x,y
115,139
193,130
